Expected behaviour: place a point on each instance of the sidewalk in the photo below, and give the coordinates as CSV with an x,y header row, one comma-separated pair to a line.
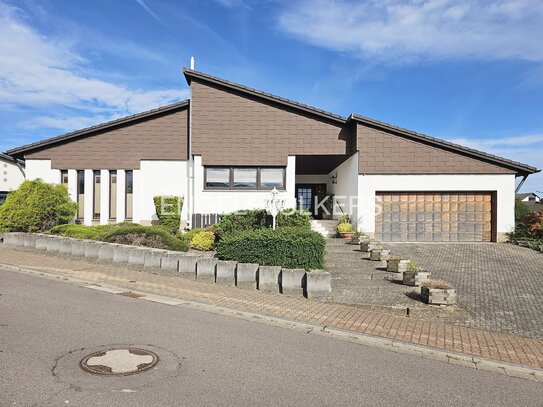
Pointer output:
x,y
452,338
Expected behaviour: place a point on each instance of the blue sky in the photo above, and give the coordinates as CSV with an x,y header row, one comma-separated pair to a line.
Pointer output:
x,y
466,71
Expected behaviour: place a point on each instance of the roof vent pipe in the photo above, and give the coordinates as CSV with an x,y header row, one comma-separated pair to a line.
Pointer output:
x,y
192,63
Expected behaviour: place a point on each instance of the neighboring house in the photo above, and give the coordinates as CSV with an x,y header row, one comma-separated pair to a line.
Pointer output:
x,y
529,197
11,175
229,145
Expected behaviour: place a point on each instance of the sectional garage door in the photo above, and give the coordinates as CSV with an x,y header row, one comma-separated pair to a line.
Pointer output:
x,y
434,217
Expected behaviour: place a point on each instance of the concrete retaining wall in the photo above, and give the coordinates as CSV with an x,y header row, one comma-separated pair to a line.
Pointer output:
x,y
243,275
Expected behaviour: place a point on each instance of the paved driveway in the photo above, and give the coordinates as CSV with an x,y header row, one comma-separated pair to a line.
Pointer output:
x,y
500,286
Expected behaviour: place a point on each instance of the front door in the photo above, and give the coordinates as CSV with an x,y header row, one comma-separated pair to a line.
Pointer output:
x,y
307,194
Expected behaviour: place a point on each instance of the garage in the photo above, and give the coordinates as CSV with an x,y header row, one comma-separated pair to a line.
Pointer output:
x,y
434,216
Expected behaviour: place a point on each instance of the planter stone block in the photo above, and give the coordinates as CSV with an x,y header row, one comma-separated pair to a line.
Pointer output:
x,y
368,246
121,254
152,259
187,266
41,242
106,252
268,278
14,239
92,250
78,247
226,272
246,275
205,269
317,284
53,245
397,265
291,281
29,240
437,296
170,263
65,246
414,278
136,257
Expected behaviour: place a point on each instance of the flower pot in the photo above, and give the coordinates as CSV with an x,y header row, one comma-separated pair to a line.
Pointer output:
x,y
415,278
355,240
379,255
438,296
346,235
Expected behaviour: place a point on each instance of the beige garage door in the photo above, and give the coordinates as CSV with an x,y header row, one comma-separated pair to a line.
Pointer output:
x,y
434,217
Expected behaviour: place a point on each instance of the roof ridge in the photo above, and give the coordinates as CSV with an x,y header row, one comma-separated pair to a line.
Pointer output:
x,y
257,92
443,142
103,125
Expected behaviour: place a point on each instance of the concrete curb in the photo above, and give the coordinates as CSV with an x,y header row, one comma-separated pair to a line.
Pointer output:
x,y
488,365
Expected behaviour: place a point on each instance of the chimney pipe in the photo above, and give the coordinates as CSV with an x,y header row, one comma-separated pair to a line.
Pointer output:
x,y
192,63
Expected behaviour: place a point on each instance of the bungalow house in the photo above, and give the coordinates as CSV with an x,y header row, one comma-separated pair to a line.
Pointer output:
x,y
529,197
11,176
229,145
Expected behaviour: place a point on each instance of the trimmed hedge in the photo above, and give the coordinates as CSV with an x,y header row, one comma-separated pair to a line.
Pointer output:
x,y
36,207
253,219
286,247
168,211
203,241
125,233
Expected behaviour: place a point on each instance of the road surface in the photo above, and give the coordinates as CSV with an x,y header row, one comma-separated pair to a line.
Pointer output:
x,y
47,326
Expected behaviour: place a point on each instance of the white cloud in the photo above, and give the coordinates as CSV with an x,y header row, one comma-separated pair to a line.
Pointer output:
x,y
406,31
527,149
41,72
147,9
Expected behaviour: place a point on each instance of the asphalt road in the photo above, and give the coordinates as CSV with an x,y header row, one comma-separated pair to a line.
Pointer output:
x,y
47,326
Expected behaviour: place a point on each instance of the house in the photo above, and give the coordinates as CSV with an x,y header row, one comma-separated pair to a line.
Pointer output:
x,y
13,174
529,197
229,145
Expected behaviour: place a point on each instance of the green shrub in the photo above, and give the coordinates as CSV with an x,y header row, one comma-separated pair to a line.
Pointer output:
x,y
242,220
344,219
36,207
168,211
344,228
286,247
187,237
203,241
252,219
124,233
293,218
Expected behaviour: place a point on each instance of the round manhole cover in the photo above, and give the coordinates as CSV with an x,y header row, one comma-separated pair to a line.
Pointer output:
x,y
119,362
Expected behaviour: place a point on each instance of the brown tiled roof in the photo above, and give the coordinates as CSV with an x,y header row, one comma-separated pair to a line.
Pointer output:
x,y
190,74
520,167
101,126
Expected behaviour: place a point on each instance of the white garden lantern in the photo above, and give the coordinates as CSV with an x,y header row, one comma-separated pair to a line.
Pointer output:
x,y
274,205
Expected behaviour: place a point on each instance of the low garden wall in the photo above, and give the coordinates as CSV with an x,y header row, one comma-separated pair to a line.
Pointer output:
x,y
310,284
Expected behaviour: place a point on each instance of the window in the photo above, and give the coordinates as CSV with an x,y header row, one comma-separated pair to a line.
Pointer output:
x,y
272,178
97,195
251,178
217,178
80,194
113,195
64,177
129,195
245,178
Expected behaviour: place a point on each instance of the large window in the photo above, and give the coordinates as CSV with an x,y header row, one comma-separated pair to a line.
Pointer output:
x,y
80,194
97,194
129,195
113,195
250,178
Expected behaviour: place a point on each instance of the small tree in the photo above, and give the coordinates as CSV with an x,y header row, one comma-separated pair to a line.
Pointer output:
x,y
37,207
168,211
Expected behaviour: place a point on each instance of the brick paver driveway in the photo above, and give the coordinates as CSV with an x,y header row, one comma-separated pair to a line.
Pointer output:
x,y
500,286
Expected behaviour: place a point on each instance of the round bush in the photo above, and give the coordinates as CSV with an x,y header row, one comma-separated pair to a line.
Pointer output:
x,y
203,241
344,228
36,207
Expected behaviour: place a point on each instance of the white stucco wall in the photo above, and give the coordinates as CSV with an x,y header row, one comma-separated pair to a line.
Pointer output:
x,y
209,201
346,189
154,178
11,175
503,185
41,169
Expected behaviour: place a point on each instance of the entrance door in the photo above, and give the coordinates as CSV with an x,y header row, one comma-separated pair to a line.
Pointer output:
x,y
307,194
